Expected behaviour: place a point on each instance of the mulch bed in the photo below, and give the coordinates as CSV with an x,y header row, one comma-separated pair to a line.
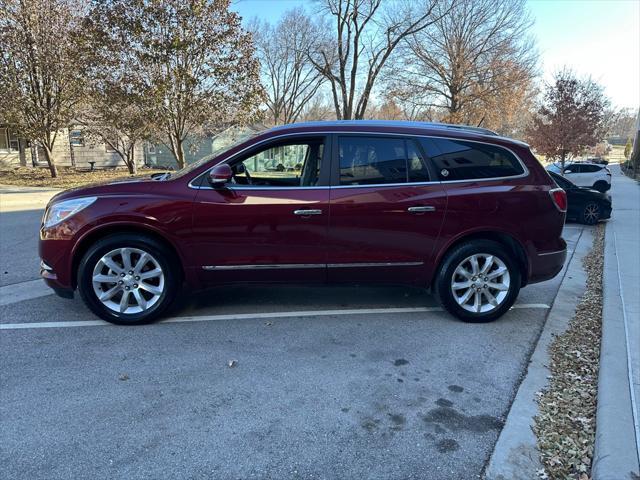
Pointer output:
x,y
565,425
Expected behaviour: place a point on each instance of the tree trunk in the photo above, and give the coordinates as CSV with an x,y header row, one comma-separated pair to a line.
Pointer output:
x,y
179,153
131,164
49,158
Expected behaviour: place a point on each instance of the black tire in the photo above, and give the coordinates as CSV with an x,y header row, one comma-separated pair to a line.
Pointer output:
x,y
164,257
601,186
451,261
591,213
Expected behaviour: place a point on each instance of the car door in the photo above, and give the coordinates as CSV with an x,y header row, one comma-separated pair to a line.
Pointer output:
x,y
386,210
576,174
270,223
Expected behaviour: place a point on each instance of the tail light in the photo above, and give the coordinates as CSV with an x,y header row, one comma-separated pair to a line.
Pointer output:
x,y
559,197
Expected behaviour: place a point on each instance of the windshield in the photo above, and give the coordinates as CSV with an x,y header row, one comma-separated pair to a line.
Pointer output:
x,y
223,143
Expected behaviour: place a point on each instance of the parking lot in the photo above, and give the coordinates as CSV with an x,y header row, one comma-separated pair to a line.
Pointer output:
x,y
325,382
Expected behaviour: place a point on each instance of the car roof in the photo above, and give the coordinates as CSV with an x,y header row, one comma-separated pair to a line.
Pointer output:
x,y
599,165
395,126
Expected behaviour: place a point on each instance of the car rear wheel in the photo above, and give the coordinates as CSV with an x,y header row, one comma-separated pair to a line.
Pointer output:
x,y
478,281
591,213
128,279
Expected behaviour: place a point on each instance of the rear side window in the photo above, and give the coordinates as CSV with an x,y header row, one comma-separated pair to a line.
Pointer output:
x,y
462,160
380,160
591,168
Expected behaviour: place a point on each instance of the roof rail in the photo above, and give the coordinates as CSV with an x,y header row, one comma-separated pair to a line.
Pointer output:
x,y
390,123
470,128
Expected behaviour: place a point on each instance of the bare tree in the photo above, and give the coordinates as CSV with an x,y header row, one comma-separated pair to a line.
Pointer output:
x,y
189,62
621,122
115,120
352,54
571,118
319,107
40,65
290,79
475,65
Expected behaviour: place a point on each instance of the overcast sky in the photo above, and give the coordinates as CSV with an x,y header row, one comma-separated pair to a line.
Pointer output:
x,y
600,38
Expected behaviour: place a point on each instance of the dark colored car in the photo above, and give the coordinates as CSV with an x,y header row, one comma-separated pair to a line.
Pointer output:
x,y
585,205
389,202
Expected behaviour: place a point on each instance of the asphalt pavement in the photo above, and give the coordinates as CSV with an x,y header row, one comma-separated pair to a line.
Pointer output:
x,y
318,387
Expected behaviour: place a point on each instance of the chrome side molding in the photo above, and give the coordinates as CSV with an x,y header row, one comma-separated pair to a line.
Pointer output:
x,y
274,266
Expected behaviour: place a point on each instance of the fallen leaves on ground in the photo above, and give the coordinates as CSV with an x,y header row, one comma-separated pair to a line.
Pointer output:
x,y
67,177
565,425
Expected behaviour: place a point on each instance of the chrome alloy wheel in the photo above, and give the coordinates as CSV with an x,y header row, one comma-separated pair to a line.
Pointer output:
x,y
128,280
591,213
480,283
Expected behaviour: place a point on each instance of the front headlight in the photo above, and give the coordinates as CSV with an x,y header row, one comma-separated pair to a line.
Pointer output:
x,y
60,211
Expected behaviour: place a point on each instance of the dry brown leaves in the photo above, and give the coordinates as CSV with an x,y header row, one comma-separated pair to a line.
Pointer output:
x,y
67,178
565,425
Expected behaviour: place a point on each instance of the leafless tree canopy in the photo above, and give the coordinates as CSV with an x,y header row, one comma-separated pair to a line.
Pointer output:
x,y
471,64
289,78
360,36
40,63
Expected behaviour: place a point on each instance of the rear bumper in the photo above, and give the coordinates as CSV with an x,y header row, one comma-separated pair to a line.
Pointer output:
x,y
547,265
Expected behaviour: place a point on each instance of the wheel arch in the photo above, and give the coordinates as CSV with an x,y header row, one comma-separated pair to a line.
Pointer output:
x,y
513,245
102,231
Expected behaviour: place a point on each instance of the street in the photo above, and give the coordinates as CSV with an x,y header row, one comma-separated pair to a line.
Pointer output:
x,y
317,390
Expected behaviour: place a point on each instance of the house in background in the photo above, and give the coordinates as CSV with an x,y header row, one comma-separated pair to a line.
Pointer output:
x,y
71,149
159,156
13,150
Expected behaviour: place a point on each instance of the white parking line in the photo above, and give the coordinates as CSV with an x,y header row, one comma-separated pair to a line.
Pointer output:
x,y
252,316
19,292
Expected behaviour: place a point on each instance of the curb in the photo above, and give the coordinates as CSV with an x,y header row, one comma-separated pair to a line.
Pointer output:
x,y
616,450
515,455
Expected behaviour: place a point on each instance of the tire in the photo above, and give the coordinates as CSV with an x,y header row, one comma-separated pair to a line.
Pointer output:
x,y
149,294
591,213
460,257
601,186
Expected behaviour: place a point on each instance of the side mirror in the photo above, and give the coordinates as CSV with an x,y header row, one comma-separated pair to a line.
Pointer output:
x,y
220,175
566,170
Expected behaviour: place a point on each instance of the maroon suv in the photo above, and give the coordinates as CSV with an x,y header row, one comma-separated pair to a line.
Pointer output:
x,y
465,212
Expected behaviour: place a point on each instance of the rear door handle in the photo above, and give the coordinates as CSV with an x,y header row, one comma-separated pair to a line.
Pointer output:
x,y
421,209
306,213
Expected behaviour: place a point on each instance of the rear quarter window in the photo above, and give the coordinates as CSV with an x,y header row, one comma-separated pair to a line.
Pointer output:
x,y
463,160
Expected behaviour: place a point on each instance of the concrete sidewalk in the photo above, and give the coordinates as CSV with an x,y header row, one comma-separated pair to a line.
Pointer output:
x,y
617,449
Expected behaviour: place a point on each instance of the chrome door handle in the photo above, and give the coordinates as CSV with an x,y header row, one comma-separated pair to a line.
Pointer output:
x,y
306,213
421,209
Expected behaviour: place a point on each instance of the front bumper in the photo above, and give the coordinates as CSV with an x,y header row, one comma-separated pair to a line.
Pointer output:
x,y
51,280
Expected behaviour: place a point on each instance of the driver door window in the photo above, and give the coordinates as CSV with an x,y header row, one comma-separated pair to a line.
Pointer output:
x,y
295,164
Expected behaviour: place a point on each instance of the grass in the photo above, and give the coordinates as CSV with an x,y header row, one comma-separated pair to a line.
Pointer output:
x,y
67,177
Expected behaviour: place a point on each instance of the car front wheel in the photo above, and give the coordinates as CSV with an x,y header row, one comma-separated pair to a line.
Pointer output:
x,y
478,281
128,279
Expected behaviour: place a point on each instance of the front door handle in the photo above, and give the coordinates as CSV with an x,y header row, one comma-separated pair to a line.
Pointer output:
x,y
421,209
306,213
